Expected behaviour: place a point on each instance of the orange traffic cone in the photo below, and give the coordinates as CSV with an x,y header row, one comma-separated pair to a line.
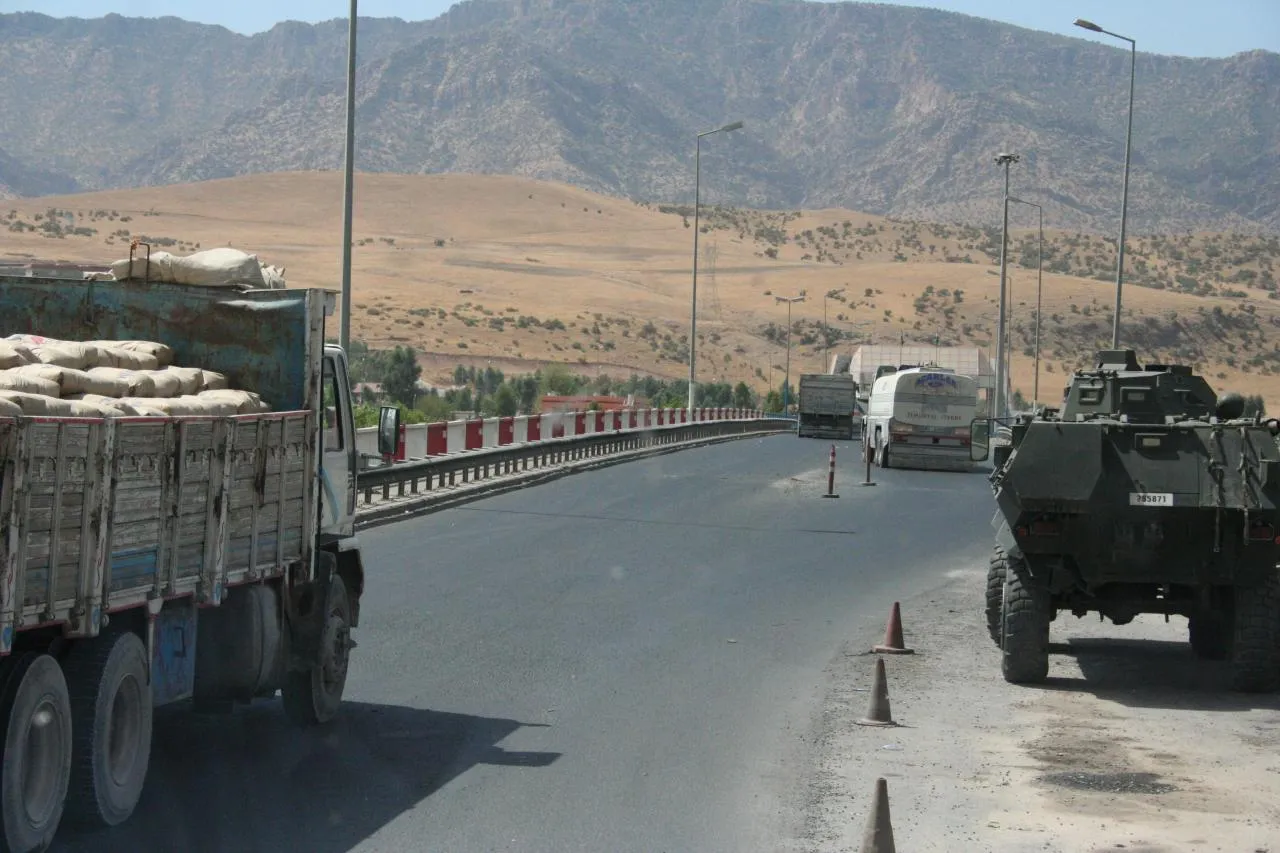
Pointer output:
x,y
893,644
879,835
878,712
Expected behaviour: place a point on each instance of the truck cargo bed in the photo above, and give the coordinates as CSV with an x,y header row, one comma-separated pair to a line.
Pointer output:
x,y
143,508
137,510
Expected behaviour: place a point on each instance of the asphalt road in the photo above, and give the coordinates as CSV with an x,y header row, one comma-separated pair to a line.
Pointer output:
x,y
627,659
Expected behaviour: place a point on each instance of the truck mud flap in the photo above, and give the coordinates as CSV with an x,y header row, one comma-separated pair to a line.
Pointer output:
x,y
308,606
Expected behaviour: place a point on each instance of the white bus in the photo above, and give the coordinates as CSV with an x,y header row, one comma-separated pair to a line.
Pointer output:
x,y
918,417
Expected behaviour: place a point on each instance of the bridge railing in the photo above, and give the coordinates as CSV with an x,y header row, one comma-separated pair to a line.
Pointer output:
x,y
421,441
408,478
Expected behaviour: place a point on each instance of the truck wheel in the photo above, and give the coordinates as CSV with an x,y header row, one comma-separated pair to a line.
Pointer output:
x,y
1255,661
884,452
312,696
111,720
1210,635
996,572
1024,623
35,719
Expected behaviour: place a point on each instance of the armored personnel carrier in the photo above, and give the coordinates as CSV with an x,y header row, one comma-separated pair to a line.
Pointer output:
x,y
1143,493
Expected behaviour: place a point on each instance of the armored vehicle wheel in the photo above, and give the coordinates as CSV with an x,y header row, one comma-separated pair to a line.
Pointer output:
x,y
1024,621
1210,634
996,572
1255,664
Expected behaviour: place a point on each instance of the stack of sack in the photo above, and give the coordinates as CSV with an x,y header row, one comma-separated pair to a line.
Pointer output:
x,y
211,268
96,379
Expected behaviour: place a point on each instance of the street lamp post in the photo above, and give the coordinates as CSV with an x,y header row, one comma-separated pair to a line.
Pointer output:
x,y
697,192
1128,148
786,382
1003,159
826,329
348,177
1035,384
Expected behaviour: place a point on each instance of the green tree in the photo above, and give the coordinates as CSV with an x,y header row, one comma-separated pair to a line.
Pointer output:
x,y
526,388
742,396
773,402
400,382
559,381
505,403
435,408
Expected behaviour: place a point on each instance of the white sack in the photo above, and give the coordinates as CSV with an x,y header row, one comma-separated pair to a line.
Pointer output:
x,y
10,380
211,381
138,383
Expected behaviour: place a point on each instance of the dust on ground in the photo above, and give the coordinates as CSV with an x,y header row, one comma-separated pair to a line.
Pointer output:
x,y
1132,744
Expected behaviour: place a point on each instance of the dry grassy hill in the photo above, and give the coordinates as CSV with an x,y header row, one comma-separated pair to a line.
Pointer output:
x,y
515,273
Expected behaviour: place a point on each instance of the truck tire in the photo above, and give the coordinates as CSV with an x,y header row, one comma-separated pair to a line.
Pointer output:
x,y
1210,633
996,572
1255,660
35,720
312,696
883,447
1024,626
111,720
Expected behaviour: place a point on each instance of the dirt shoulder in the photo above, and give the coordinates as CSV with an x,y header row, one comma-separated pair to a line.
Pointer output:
x,y
1132,744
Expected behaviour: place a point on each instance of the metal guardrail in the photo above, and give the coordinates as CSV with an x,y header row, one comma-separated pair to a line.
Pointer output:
x,y
411,478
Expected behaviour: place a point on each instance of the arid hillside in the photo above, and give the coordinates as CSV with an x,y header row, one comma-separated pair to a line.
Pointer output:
x,y
515,273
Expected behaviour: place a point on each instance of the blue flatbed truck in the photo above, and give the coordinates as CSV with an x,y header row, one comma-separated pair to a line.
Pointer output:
x,y
153,560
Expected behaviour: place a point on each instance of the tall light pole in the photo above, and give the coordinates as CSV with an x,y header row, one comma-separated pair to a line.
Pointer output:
x,y
826,330
1003,159
697,192
349,163
1035,385
1128,148
786,382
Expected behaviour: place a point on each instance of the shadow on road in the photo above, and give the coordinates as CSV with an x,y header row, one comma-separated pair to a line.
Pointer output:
x,y
1153,674
252,782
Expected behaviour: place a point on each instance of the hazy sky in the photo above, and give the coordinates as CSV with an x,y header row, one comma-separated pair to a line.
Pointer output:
x,y
1183,27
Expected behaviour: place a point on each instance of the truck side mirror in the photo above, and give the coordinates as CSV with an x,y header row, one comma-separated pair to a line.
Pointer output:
x,y
388,430
979,439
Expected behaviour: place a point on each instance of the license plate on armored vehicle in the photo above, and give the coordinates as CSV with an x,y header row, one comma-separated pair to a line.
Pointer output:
x,y
1150,499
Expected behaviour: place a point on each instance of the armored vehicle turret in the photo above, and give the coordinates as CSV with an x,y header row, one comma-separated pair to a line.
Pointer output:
x,y
1143,493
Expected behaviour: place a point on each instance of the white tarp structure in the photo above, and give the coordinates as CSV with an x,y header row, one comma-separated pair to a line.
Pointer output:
x,y
224,267
967,361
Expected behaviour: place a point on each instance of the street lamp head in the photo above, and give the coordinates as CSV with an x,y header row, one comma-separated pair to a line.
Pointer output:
x,y
1004,157
1088,25
737,125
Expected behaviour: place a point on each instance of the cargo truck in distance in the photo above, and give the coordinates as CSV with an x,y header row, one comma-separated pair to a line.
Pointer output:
x,y
828,406
152,560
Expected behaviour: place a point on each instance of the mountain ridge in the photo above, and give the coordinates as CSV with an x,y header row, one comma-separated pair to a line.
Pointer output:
x,y
889,109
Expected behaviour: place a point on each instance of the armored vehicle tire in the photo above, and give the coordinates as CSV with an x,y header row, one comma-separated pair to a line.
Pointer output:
x,y
111,722
1255,664
312,696
1024,620
1210,634
996,572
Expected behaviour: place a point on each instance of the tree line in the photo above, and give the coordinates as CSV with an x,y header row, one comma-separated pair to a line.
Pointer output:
x,y
489,392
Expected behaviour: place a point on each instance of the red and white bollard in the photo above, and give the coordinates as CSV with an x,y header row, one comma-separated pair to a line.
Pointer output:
x,y
831,476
